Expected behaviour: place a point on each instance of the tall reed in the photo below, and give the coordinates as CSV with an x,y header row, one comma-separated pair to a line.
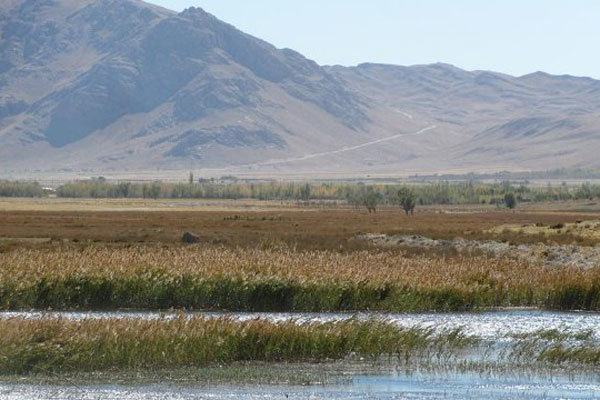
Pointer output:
x,y
153,277
29,346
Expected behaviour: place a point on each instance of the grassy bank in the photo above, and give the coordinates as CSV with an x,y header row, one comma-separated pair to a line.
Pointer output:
x,y
54,345
154,277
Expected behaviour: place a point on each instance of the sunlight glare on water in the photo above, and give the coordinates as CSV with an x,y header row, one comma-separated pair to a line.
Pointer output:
x,y
420,386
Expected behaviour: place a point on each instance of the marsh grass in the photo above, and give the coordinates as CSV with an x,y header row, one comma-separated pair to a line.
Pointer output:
x,y
281,279
222,349
560,353
556,347
554,335
55,345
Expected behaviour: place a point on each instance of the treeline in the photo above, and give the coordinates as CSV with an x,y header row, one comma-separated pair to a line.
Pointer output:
x,y
353,193
559,173
156,190
20,189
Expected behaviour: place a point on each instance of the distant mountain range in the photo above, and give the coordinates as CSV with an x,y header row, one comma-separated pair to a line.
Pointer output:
x,y
118,85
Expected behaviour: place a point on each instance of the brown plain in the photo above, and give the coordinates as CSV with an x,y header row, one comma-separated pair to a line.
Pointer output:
x,y
237,224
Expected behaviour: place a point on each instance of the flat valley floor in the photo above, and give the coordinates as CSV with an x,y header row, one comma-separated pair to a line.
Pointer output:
x,y
101,299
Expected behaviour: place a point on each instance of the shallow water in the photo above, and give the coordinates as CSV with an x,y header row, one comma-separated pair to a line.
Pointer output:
x,y
493,325
418,386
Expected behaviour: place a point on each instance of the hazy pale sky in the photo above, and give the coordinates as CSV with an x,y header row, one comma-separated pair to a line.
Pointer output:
x,y
511,36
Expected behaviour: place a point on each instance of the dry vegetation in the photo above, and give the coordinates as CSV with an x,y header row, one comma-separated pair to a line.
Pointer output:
x,y
300,259
155,277
580,229
305,228
276,257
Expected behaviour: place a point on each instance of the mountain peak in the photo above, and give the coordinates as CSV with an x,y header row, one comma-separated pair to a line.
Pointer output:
x,y
195,12
167,72
123,84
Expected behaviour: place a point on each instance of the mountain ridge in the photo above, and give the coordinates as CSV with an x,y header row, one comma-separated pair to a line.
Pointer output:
x,y
125,85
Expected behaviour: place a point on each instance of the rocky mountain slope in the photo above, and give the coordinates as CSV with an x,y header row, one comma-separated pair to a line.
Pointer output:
x,y
116,85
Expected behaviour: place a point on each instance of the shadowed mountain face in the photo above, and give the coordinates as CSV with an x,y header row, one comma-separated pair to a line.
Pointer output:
x,y
121,84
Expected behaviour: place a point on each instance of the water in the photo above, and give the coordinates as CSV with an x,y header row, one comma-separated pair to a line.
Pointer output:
x,y
416,386
493,325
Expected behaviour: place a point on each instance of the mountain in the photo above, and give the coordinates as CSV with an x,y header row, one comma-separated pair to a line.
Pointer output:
x,y
122,85
536,121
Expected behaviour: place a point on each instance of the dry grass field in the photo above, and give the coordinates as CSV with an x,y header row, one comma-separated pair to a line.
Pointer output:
x,y
280,257
251,223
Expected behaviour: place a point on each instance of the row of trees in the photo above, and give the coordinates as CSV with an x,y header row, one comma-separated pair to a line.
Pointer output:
x,y
353,193
407,200
20,189
260,191
357,194
371,199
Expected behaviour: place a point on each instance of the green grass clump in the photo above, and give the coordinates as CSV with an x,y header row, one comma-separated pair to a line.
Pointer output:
x,y
576,295
554,335
553,346
230,294
57,346
576,355
54,345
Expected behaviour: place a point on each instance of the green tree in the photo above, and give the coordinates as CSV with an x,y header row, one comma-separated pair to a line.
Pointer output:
x,y
371,200
191,178
305,191
407,200
124,189
510,200
151,191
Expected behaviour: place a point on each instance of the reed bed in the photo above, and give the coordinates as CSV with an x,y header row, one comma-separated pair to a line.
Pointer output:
x,y
55,345
281,279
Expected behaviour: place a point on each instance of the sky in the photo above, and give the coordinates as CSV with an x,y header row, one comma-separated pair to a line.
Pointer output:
x,y
511,36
